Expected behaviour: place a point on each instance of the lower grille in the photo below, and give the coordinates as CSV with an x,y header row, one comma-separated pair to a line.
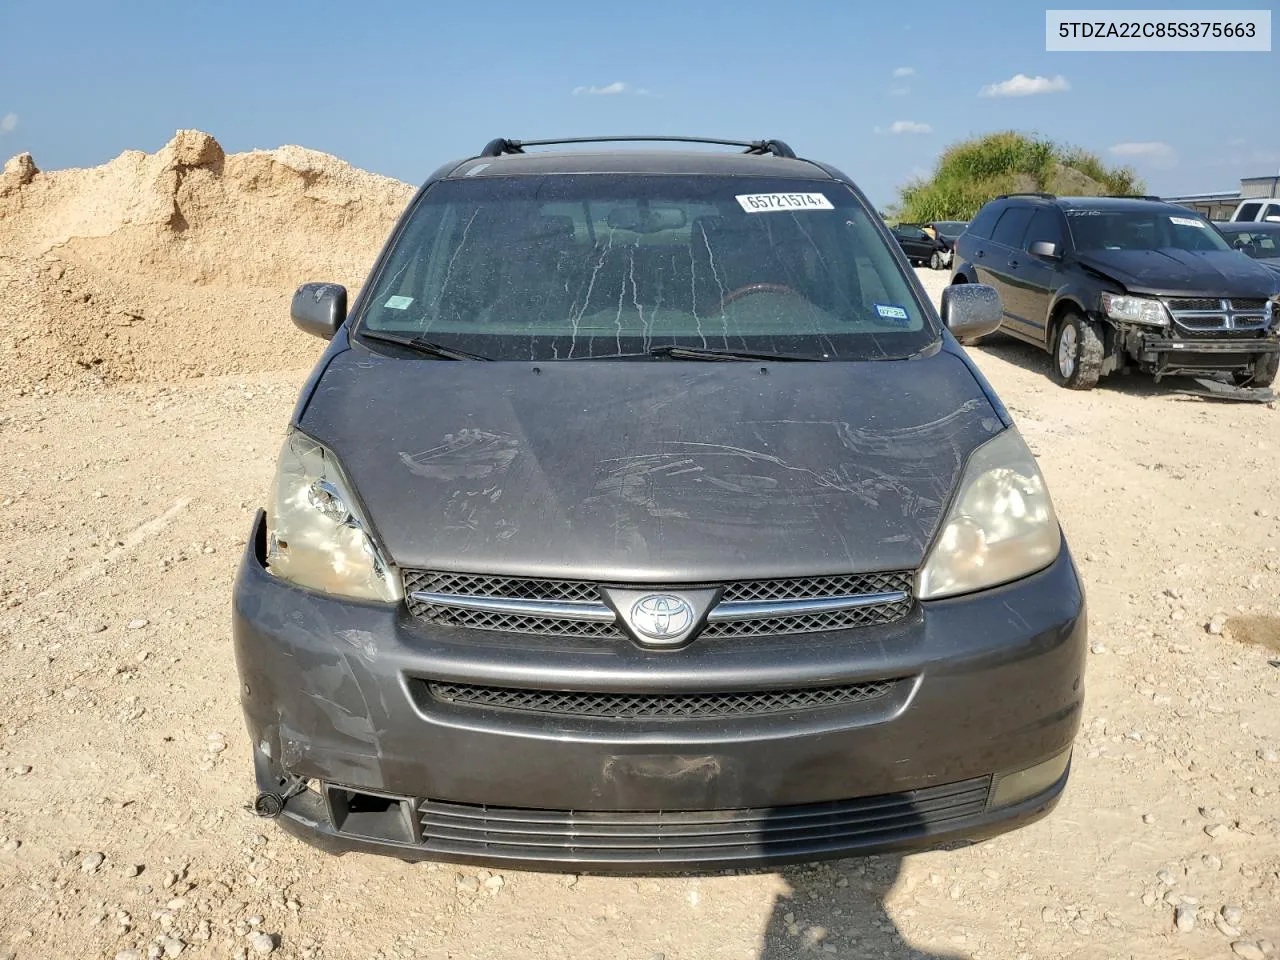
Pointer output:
x,y
466,829
645,706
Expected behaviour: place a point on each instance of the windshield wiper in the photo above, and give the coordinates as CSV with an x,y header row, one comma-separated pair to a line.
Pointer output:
x,y
677,352
423,345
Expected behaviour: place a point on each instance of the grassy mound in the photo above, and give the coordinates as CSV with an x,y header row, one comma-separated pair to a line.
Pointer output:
x,y
971,172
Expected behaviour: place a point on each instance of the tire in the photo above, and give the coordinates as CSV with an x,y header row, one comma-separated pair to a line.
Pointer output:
x,y
1077,353
935,260
1264,372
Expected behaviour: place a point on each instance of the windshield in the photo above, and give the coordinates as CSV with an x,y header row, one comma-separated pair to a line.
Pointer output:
x,y
579,266
950,228
1094,230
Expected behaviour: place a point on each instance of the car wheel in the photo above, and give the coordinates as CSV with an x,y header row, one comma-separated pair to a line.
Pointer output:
x,y
1077,353
1264,373
935,260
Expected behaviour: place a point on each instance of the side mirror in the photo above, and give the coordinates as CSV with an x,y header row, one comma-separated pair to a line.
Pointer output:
x,y
971,310
1043,248
319,308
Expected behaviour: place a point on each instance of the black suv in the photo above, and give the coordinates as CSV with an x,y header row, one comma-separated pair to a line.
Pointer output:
x,y
1105,283
644,512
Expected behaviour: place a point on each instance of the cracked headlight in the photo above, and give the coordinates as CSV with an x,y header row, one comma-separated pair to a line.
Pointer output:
x,y
1001,525
1135,310
317,536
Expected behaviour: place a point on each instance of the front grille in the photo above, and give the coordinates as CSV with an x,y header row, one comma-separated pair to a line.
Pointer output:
x,y
479,585
1197,317
800,588
656,706
582,592
513,623
682,836
809,623
1196,303
494,587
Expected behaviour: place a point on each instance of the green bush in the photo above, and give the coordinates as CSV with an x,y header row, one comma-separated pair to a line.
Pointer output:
x,y
971,172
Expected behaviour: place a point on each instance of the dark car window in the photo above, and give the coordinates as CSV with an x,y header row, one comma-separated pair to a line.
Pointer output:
x,y
981,224
571,266
1148,229
1257,244
1045,226
950,228
1249,211
1011,226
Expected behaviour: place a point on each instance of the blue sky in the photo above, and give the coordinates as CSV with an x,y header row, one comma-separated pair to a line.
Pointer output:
x,y
399,87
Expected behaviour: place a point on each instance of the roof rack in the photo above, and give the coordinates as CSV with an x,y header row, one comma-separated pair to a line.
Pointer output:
x,y
1028,193
1131,196
500,146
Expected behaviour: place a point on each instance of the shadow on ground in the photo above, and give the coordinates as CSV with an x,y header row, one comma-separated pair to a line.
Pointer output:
x,y
842,909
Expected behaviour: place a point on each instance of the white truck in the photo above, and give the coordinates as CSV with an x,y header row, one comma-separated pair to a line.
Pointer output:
x,y
1258,209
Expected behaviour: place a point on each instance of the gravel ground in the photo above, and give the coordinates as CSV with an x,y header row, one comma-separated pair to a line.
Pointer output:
x,y
124,766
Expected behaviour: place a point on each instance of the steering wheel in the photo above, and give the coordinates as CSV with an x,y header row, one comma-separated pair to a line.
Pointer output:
x,y
754,288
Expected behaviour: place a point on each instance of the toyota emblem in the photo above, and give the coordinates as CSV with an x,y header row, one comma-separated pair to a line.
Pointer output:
x,y
661,616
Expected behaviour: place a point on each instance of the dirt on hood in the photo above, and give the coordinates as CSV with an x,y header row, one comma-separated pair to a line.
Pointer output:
x,y
176,264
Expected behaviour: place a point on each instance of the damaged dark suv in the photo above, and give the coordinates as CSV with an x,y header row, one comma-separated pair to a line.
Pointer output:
x,y
642,513
1108,284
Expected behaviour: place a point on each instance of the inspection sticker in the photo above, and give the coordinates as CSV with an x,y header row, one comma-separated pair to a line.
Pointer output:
x,y
1187,222
771,202
889,312
398,303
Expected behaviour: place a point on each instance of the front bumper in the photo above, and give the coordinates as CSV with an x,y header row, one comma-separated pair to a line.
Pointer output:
x,y
332,694
1196,355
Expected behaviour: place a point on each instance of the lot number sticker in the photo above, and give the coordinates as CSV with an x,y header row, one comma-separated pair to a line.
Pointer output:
x,y
775,202
1188,222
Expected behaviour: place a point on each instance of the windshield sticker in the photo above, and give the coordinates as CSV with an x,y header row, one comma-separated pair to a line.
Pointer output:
x,y
771,202
1187,222
889,312
398,303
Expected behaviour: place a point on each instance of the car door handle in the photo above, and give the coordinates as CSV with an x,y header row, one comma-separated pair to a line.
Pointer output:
x,y
1013,263
982,253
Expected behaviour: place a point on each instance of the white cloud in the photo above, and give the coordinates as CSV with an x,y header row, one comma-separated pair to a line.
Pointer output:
x,y
904,71
1152,150
608,90
909,126
8,123
1020,85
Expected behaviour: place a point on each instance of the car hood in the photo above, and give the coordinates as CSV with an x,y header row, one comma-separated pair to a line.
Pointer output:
x,y
652,471
1271,263
1212,273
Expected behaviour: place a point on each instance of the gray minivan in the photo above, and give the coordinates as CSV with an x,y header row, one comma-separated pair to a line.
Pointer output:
x,y
643,513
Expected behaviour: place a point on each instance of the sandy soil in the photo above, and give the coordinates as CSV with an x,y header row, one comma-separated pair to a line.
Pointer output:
x,y
126,491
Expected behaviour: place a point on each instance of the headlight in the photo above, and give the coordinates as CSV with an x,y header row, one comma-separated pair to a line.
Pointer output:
x,y
1135,309
316,535
1001,525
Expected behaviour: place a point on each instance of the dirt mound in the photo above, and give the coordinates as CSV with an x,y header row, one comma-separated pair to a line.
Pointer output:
x,y
178,263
